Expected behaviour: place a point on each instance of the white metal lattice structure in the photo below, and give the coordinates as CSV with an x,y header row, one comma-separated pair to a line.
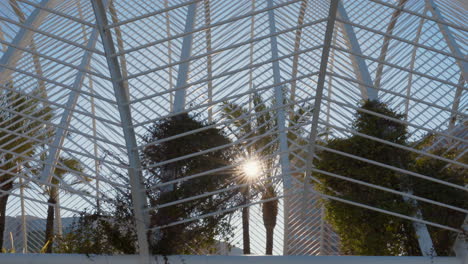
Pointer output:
x,y
107,70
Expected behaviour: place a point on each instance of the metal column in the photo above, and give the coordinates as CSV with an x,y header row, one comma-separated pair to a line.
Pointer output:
x,y
134,170
184,68
281,121
318,98
359,64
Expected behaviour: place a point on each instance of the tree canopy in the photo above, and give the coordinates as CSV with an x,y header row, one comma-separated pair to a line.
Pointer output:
x,y
367,232
113,231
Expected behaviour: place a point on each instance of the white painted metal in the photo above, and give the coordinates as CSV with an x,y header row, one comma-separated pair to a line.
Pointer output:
x,y
449,39
138,197
332,13
359,64
22,39
239,36
422,233
411,67
209,63
297,45
60,134
24,227
184,68
169,55
386,42
281,123
37,65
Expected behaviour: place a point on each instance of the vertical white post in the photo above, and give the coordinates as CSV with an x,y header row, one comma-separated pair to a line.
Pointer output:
x,y
359,64
134,170
322,231
251,50
281,121
184,68
169,55
95,148
209,62
23,212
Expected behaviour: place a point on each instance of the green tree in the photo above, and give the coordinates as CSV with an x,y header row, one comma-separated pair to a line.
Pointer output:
x,y
260,142
98,233
366,232
23,118
177,239
443,239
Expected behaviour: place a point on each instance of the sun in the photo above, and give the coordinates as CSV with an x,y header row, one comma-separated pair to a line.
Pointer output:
x,y
252,168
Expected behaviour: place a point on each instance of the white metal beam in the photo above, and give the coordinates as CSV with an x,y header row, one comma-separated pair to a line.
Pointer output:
x,y
184,68
449,39
359,64
134,170
60,134
209,62
169,55
281,121
22,39
411,66
386,41
297,45
37,64
332,13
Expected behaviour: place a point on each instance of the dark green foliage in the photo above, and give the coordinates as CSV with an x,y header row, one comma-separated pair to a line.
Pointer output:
x,y
366,232
114,232
94,233
200,233
443,240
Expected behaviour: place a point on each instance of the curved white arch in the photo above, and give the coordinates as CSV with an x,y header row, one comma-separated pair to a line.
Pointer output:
x,y
386,41
134,170
359,64
184,68
451,42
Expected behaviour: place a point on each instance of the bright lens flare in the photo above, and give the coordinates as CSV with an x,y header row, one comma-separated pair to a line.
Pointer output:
x,y
252,168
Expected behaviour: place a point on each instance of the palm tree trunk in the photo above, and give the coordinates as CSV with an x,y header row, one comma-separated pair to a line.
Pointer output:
x,y
3,204
49,232
269,239
245,222
270,213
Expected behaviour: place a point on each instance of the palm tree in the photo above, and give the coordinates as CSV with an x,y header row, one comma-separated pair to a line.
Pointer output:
x,y
21,117
257,126
70,165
